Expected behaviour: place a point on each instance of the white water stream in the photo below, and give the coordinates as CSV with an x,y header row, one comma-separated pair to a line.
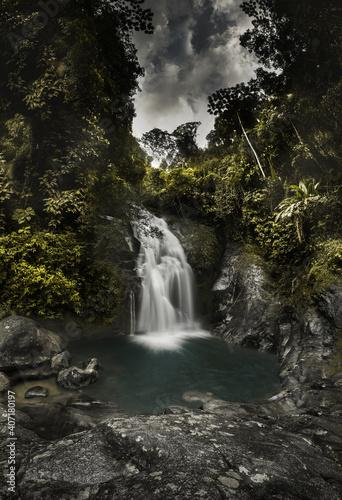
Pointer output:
x,y
168,360
166,307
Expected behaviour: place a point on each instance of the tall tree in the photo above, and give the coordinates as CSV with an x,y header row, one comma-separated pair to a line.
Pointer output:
x,y
69,74
186,139
302,39
160,144
173,147
69,71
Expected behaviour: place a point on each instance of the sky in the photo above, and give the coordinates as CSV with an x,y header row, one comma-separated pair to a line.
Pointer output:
x,y
194,51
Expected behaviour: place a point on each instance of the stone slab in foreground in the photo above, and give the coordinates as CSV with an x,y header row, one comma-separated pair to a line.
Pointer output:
x,y
185,455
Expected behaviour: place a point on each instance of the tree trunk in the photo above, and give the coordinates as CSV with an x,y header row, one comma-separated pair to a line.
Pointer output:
x,y
299,228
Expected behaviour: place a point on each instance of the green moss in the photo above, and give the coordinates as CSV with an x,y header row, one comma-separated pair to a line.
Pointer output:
x,y
323,271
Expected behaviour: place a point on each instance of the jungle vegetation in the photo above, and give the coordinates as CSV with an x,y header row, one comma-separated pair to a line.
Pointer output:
x,y
270,176
69,71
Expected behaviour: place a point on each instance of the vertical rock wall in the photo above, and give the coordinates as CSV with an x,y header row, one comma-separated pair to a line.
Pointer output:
x,y
245,309
250,312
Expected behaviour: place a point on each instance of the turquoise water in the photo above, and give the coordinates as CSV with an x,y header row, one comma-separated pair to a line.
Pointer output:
x,y
144,379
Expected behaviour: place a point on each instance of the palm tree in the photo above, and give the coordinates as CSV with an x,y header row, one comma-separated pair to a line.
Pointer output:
x,y
305,197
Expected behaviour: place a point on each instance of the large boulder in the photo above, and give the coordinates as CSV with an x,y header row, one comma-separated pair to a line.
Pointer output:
x,y
329,305
56,420
306,341
245,308
186,454
25,344
248,314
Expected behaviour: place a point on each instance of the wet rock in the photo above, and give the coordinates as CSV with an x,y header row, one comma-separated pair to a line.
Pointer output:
x,y
245,308
61,361
175,410
36,392
25,344
74,378
91,364
229,481
5,382
305,346
243,410
38,372
246,314
57,420
329,305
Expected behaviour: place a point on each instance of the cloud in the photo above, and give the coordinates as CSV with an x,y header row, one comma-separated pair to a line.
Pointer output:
x,y
194,51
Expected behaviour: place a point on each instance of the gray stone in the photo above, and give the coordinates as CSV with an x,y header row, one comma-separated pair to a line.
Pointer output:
x,y
306,344
36,392
60,361
38,372
25,344
188,455
245,309
57,420
197,397
229,481
74,378
247,315
329,304
5,382
91,364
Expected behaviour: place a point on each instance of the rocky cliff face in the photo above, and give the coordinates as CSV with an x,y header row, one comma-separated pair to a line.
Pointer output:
x,y
245,310
249,313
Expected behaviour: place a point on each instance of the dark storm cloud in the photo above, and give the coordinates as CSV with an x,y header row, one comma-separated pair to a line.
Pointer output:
x,y
204,26
194,51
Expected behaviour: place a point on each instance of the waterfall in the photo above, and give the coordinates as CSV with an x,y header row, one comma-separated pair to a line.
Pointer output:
x,y
132,311
165,315
166,302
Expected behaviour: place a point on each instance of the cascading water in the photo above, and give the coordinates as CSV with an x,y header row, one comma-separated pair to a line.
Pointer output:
x,y
167,281
132,311
168,360
166,308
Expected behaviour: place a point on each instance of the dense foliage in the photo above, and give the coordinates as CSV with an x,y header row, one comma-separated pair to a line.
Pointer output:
x,y
70,168
271,173
69,72
174,148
